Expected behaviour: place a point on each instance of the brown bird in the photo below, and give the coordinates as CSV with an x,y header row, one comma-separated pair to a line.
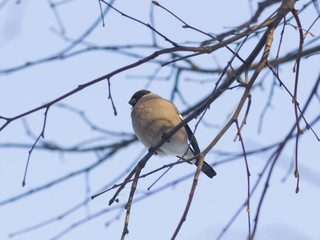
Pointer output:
x,y
152,117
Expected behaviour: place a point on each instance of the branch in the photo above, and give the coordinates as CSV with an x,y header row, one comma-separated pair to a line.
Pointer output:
x,y
275,156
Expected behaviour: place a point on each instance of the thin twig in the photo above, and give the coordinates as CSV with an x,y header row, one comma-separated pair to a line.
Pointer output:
x,y
34,144
145,24
248,178
110,97
299,131
292,97
129,203
193,188
168,166
102,16
275,156
244,121
186,25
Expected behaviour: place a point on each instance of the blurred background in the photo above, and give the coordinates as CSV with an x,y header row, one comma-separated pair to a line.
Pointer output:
x,y
49,48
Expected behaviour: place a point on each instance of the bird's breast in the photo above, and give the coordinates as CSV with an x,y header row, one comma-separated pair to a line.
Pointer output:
x,y
150,124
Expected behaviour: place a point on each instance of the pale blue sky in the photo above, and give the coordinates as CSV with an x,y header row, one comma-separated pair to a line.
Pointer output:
x,y
27,36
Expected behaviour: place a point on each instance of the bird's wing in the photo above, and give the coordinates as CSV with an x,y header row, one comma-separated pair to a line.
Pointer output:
x,y
192,140
191,137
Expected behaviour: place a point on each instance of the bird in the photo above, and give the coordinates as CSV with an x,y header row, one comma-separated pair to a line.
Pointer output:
x,y
152,117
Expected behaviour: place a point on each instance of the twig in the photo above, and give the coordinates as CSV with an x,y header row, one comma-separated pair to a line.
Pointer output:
x,y
245,204
200,161
280,43
145,24
299,131
107,76
268,105
292,97
186,25
244,121
109,209
102,16
110,97
193,188
234,117
263,149
141,176
86,33
277,153
197,112
65,177
90,123
261,7
34,144
248,178
57,16
164,173
129,203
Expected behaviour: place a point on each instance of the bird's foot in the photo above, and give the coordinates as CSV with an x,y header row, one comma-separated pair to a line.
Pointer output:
x,y
165,137
152,150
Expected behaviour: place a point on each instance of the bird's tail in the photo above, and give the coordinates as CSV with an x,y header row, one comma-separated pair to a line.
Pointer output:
x,y
207,169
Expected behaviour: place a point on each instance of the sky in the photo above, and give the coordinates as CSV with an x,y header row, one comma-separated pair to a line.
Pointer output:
x,y
32,31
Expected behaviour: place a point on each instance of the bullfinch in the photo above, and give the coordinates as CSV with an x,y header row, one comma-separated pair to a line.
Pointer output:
x,y
152,117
